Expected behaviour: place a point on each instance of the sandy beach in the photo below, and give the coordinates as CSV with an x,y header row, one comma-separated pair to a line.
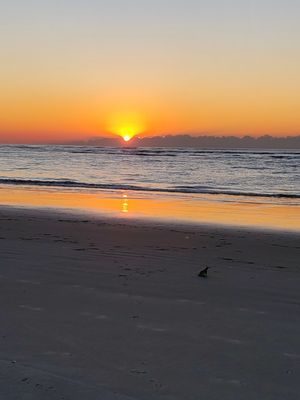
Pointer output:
x,y
95,308
150,200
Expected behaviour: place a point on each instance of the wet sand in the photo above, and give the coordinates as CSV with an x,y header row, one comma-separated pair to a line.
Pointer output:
x,y
279,214
95,308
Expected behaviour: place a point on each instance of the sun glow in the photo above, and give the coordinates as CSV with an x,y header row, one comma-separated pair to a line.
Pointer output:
x,y
126,138
127,125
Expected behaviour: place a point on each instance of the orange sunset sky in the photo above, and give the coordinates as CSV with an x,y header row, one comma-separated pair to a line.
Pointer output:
x,y
77,69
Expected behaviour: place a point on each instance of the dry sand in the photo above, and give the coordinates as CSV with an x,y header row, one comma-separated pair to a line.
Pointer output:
x,y
103,309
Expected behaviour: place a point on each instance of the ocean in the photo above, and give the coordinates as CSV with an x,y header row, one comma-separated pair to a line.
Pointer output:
x,y
271,174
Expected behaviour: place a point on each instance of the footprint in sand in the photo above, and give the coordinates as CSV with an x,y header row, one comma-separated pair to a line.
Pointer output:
x,y
234,382
183,301
29,282
101,316
227,340
26,307
151,328
292,355
252,311
94,316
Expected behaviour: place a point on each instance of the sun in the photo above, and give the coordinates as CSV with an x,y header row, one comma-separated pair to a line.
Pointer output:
x,y
127,125
126,138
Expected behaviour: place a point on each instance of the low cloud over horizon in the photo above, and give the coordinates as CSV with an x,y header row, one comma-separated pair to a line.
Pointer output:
x,y
204,141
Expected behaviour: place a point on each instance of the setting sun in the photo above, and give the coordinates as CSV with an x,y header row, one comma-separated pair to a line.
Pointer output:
x,y
126,138
126,124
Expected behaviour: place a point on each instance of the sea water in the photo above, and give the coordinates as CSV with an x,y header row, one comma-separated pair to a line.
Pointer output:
x,y
273,175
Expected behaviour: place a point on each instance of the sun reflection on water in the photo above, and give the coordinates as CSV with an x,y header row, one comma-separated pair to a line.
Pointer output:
x,y
196,209
125,206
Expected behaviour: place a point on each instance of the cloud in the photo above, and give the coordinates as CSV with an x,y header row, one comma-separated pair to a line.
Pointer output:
x,y
205,142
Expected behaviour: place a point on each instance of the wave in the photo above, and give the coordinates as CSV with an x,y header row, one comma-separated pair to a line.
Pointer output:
x,y
206,190
66,183
156,153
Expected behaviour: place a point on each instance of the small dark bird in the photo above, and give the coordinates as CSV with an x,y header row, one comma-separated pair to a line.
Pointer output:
x,y
203,273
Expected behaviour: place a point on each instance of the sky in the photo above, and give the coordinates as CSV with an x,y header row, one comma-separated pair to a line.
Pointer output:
x,y
75,69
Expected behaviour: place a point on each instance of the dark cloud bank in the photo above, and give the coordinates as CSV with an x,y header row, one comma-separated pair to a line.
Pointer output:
x,y
204,142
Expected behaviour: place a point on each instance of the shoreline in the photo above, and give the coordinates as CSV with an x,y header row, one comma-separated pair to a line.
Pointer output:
x,y
102,308
210,210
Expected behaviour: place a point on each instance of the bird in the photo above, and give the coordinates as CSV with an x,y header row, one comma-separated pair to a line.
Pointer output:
x,y
203,273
